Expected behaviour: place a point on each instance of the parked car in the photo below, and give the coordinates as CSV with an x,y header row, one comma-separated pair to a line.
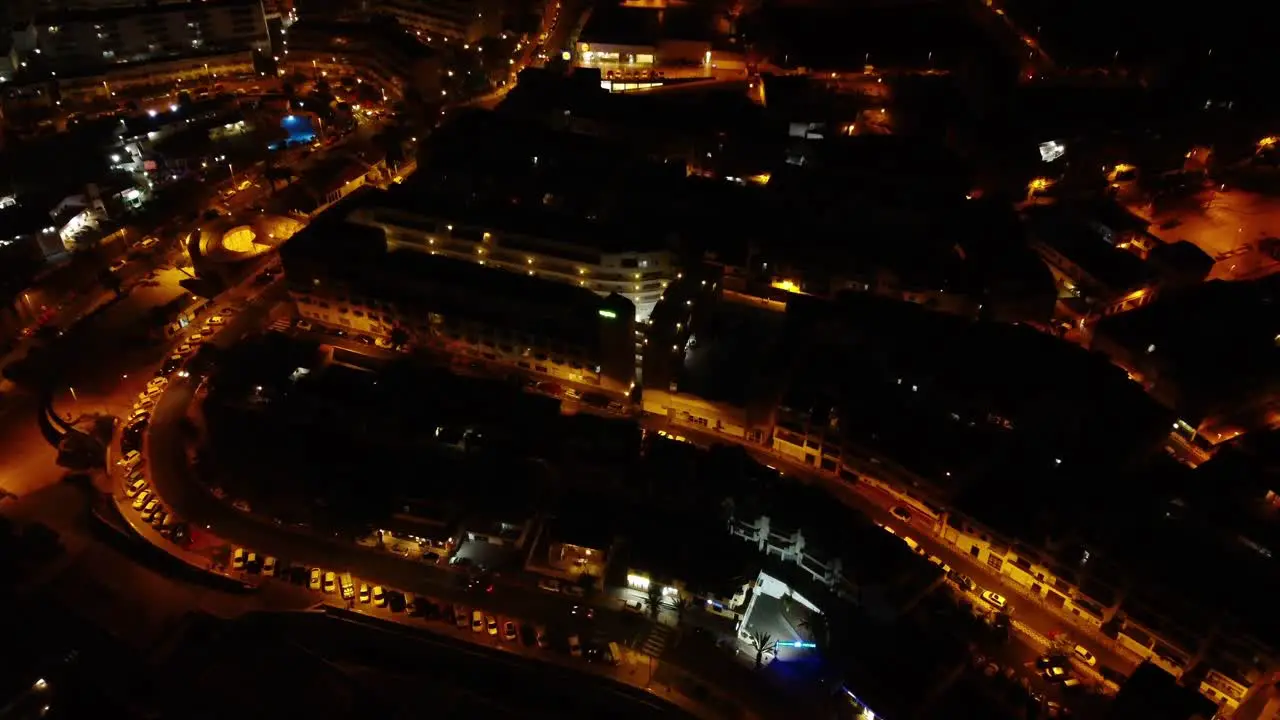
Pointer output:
x,y
314,582
1054,673
575,646
477,621
901,513
138,486
509,631
1085,656
237,559
549,584
330,582
141,501
540,636
269,566
459,616
379,596
995,599
491,624
634,606
364,594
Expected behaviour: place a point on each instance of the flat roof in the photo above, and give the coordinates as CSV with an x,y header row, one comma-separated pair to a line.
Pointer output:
x,y
581,527
518,219
112,14
676,546
357,258
1213,341
620,25
1152,693
1116,269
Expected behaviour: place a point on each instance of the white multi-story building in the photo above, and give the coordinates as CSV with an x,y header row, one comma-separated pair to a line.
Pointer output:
x,y
600,258
140,34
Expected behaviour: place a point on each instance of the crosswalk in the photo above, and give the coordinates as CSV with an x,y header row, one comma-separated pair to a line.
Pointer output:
x,y
656,641
283,324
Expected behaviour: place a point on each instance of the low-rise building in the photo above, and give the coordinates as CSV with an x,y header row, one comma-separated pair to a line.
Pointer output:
x,y
605,258
698,565
1197,354
575,543
1154,694
348,276
1096,277
833,546
631,41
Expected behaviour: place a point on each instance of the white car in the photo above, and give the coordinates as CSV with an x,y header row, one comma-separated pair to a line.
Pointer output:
x,y
314,583
216,320
995,599
330,582
157,383
901,513
1086,656
634,606
237,559
379,596
269,566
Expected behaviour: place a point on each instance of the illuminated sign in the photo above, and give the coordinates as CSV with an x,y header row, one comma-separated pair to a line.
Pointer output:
x,y
798,644
609,314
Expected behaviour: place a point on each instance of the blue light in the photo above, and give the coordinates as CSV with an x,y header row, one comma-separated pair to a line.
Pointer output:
x,y
798,644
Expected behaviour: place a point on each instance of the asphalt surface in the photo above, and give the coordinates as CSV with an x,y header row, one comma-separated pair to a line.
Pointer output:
x,y
464,678
876,505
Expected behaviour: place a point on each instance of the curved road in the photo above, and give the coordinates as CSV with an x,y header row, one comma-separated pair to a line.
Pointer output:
x,y
462,677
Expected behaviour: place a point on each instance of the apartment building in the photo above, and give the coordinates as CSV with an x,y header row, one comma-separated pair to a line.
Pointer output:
x,y
349,276
605,259
378,52
432,20
106,36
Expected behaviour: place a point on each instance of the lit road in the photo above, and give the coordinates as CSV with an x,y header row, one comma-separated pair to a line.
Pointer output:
x,y
393,659
876,505
512,597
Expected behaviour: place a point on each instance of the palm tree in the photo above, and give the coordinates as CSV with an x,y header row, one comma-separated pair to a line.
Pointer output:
x,y
763,643
681,604
655,599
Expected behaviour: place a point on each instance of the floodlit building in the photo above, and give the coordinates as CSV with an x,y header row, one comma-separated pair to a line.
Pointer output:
x,y
348,276
446,20
112,35
606,259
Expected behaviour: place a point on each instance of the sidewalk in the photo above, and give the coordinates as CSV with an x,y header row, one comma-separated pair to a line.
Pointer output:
x,y
878,472
663,680
144,530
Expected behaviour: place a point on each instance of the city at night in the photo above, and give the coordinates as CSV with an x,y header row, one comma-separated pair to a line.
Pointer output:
x,y
689,359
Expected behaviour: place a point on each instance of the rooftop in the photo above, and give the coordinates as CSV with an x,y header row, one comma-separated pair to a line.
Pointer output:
x,y
1153,694
1116,270
1207,346
582,528
618,25
357,259
415,199
676,547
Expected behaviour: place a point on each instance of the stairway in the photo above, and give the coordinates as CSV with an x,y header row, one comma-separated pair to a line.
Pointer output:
x,y
656,641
